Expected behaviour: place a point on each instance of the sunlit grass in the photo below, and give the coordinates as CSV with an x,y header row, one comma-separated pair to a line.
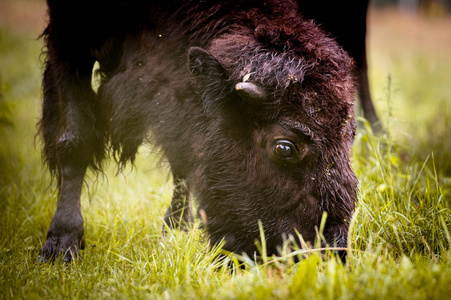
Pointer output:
x,y
400,236
401,205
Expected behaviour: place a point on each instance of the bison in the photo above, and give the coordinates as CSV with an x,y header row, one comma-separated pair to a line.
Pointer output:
x,y
250,103
346,21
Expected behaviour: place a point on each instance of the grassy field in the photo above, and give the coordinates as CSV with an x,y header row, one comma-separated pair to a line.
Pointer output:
x,y
400,236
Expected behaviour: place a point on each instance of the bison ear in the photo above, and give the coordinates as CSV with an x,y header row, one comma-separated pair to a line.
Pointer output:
x,y
210,77
205,65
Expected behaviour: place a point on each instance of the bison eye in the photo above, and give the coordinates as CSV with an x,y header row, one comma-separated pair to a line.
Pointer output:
x,y
284,150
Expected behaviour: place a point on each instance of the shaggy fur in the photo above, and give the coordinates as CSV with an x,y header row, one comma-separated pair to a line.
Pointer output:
x,y
346,21
170,68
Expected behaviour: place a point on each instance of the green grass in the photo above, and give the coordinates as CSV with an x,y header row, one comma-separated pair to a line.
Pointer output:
x,y
400,235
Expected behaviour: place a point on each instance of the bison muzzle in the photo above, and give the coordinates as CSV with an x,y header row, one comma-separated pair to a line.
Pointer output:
x,y
251,105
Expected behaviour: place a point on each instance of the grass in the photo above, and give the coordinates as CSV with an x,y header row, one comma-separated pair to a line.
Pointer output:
x,y
400,235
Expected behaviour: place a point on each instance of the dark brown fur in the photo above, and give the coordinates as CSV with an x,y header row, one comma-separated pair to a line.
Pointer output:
x,y
171,69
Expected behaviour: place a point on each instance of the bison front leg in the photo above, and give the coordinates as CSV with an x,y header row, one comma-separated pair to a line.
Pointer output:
x,y
179,213
73,139
65,236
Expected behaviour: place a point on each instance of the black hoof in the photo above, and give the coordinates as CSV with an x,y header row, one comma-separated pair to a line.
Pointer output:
x,y
62,249
181,219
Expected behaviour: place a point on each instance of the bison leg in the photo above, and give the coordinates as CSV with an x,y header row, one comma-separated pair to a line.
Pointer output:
x,y
65,236
369,112
73,140
179,213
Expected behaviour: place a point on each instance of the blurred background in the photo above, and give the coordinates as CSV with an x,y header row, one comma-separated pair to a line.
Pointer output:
x,y
409,50
429,7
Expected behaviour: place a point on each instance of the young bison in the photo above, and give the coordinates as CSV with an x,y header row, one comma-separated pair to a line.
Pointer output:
x,y
251,105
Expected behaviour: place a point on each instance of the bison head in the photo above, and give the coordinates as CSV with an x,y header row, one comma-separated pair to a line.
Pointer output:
x,y
279,98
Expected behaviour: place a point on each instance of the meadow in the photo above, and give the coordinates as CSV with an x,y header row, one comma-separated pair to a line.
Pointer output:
x,y
399,240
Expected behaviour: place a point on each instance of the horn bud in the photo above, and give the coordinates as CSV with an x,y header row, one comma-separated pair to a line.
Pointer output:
x,y
251,93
